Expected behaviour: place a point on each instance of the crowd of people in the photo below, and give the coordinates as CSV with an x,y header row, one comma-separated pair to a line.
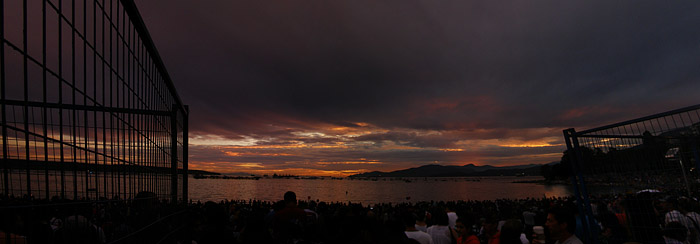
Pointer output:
x,y
644,217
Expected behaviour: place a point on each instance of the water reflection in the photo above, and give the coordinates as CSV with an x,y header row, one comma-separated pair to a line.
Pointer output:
x,y
379,191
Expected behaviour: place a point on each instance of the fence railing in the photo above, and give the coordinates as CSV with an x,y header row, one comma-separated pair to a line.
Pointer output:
x,y
638,165
88,110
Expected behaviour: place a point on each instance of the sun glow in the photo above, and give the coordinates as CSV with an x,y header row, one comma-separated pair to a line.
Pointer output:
x,y
251,165
452,150
216,140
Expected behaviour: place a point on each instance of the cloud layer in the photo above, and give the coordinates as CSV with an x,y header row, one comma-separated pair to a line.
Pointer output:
x,y
365,85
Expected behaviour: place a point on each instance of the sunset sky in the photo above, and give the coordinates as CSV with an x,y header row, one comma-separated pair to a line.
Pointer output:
x,y
327,87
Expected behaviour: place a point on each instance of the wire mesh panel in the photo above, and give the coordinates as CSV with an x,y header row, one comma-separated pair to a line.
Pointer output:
x,y
87,108
645,171
90,117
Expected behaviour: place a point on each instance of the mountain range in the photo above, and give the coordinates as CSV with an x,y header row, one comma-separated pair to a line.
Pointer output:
x,y
434,170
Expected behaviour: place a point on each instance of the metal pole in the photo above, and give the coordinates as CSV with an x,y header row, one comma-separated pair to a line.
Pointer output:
x,y
687,186
573,158
185,161
60,100
74,153
5,172
26,97
173,155
584,204
590,219
44,110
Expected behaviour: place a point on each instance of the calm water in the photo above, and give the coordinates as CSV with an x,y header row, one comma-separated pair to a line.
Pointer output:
x,y
370,192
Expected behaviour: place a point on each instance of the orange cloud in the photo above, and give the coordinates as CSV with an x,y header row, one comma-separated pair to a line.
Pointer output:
x,y
349,162
576,113
309,172
251,165
452,150
293,146
238,154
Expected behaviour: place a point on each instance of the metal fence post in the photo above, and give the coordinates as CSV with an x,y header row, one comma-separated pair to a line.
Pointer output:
x,y
173,154
5,173
185,161
583,201
569,136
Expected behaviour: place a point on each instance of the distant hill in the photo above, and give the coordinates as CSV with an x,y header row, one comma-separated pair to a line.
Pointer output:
x,y
435,170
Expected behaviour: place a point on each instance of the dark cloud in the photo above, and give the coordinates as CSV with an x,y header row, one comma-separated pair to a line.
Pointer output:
x,y
379,62
411,139
468,69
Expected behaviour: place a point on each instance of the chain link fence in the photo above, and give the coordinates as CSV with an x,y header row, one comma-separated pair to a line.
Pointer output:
x,y
640,170
93,130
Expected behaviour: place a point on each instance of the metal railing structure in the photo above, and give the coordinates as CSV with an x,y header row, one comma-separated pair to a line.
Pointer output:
x,y
89,112
634,167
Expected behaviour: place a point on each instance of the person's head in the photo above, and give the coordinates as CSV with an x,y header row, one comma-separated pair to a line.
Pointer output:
x,y
440,217
491,225
688,205
290,197
510,232
561,222
145,201
420,216
464,226
409,220
214,213
669,203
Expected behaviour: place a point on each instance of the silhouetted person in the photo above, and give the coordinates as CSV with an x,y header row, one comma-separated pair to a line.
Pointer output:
x,y
409,222
288,221
395,234
511,232
612,231
561,223
491,233
146,207
255,230
643,221
77,230
11,226
440,231
465,232
216,229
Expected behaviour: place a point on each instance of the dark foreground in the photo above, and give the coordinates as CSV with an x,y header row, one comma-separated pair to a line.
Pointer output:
x,y
641,217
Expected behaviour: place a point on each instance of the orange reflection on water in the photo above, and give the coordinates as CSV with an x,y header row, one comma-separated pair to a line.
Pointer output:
x,y
384,190
261,169
307,172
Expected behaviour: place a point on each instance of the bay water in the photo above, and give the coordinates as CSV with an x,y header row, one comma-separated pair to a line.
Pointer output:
x,y
372,191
